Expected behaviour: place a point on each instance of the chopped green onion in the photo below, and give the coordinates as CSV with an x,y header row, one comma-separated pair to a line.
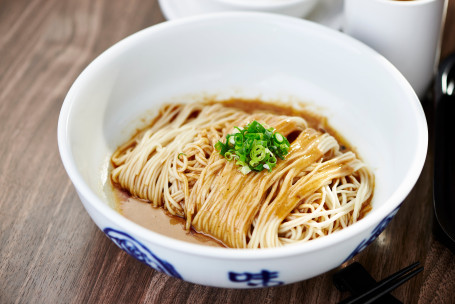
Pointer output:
x,y
228,155
232,141
245,170
279,138
254,147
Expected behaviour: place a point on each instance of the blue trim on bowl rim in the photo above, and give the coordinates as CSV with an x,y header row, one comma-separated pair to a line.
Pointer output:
x,y
374,234
137,250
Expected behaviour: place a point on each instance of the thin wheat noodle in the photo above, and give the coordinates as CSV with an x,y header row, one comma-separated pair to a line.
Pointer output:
x,y
315,191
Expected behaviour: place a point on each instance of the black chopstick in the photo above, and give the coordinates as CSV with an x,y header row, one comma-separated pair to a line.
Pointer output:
x,y
384,286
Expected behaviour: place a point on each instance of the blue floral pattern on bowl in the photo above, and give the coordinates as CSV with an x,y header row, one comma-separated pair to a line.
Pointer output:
x,y
376,232
136,249
264,278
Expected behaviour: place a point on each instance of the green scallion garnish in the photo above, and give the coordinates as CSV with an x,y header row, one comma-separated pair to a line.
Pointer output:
x,y
254,147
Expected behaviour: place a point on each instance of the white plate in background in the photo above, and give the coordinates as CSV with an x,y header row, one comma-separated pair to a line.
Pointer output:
x,y
326,12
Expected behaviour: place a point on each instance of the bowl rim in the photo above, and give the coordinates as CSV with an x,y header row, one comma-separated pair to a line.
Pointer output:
x,y
263,4
404,3
144,234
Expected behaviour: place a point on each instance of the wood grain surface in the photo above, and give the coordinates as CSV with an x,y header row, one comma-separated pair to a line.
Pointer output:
x,y
52,252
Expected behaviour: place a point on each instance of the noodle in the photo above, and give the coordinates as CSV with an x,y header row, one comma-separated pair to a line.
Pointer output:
x,y
315,191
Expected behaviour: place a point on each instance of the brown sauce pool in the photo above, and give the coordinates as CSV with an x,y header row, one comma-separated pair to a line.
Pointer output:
x,y
160,221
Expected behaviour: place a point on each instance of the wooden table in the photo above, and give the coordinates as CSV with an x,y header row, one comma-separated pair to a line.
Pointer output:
x,y
52,252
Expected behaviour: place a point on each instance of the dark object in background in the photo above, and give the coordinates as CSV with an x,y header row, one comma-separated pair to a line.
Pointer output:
x,y
356,280
364,289
444,153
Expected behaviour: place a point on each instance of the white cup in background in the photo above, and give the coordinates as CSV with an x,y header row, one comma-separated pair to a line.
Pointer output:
x,y
407,33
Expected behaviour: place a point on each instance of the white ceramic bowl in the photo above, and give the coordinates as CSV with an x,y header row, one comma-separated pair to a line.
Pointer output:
x,y
295,8
250,55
